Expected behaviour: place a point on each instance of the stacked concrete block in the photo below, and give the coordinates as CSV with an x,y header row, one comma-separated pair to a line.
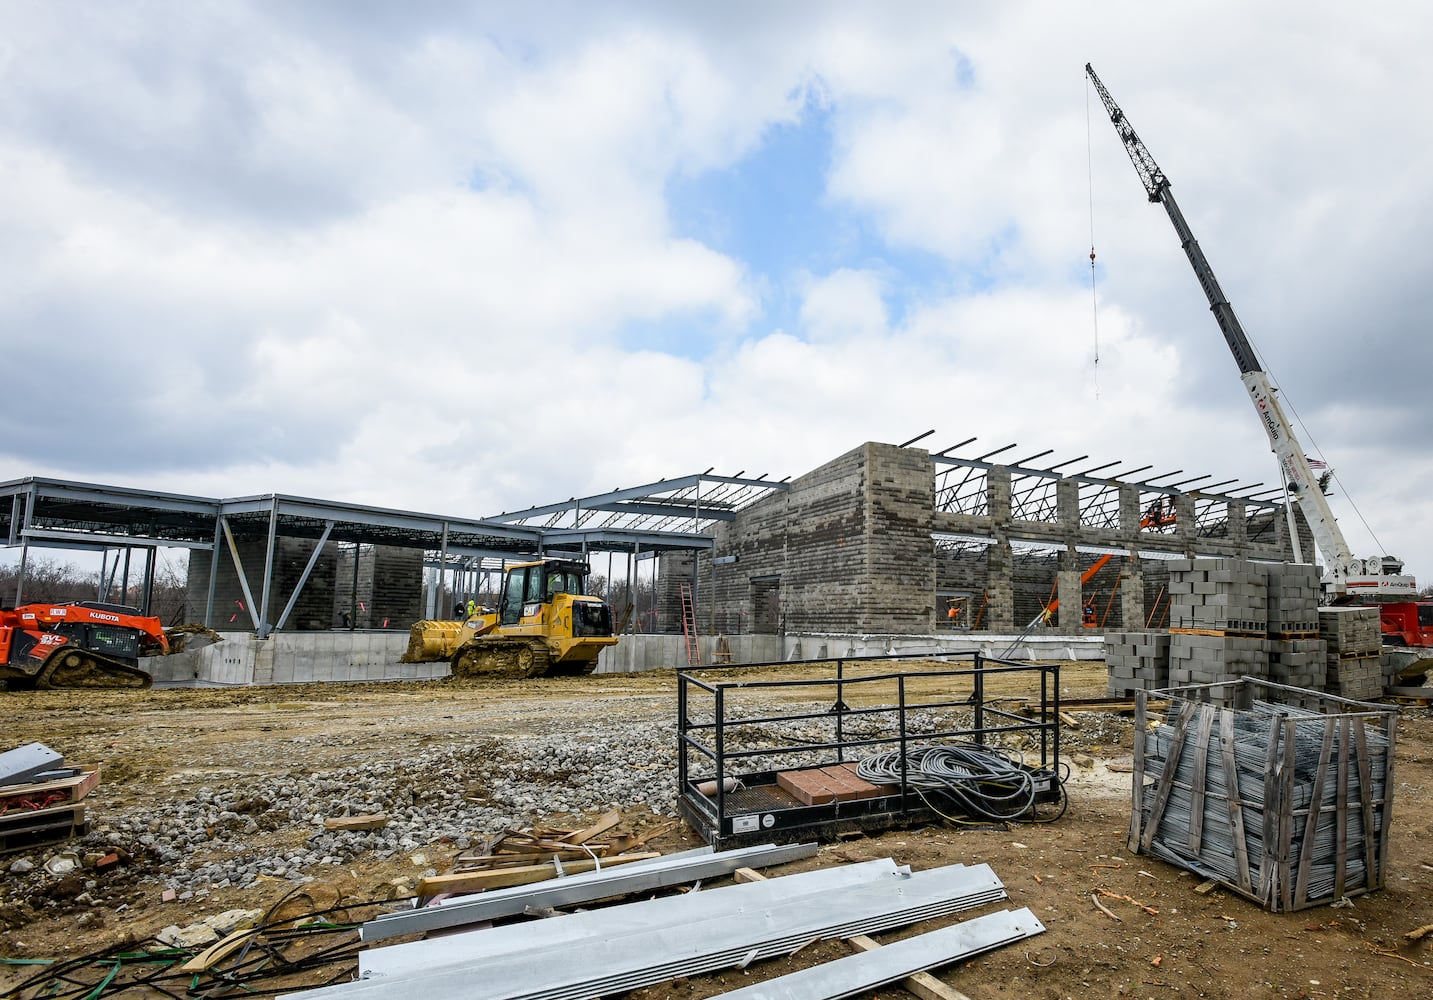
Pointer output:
x,y
1213,659
1298,663
1350,631
1220,595
1292,597
1357,677
1137,661
1354,667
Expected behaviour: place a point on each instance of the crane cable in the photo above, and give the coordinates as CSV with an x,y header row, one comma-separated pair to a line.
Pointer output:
x,y
1094,297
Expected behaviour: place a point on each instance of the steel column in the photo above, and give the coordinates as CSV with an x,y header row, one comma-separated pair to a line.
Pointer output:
x,y
264,627
213,573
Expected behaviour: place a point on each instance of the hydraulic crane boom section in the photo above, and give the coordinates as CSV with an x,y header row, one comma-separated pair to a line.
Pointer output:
x,y
1344,573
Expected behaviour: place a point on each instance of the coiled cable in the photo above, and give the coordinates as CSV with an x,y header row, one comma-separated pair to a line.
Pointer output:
x,y
979,781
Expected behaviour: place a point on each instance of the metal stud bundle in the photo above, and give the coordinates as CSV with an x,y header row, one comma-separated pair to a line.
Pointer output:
x,y
1279,793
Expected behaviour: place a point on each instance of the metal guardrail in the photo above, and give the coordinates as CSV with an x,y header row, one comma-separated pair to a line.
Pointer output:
x,y
715,736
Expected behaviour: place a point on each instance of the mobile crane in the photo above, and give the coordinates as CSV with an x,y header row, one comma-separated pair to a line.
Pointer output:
x,y
1345,577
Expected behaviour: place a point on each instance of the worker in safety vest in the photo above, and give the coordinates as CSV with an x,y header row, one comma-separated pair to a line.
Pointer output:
x,y
472,607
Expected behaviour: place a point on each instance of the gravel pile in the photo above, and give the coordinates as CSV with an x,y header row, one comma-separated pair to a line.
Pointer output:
x,y
452,793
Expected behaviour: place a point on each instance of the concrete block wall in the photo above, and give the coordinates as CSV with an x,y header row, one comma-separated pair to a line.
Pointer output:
x,y
1216,603
848,548
1211,659
1298,662
313,609
389,590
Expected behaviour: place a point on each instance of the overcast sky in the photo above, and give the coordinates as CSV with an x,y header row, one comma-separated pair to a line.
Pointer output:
x,y
465,258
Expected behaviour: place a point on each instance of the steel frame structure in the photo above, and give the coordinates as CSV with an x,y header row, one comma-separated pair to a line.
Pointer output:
x,y
51,513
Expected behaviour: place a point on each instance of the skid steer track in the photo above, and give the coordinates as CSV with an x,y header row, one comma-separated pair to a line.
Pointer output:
x,y
79,668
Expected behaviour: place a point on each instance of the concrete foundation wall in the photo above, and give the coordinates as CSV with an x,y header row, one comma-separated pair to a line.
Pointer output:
x,y
358,657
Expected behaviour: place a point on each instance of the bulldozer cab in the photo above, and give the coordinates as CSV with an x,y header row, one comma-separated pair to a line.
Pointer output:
x,y
529,586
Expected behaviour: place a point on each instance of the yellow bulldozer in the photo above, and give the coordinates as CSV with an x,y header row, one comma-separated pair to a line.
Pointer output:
x,y
544,625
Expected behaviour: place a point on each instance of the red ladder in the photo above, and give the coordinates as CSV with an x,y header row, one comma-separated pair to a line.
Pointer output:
x,y
689,627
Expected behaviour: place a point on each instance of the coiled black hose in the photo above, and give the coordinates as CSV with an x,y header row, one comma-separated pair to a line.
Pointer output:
x,y
979,781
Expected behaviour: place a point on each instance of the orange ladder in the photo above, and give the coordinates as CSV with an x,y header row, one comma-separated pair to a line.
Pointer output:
x,y
689,627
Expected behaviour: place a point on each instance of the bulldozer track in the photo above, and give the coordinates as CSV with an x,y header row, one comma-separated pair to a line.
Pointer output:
x,y
78,668
511,657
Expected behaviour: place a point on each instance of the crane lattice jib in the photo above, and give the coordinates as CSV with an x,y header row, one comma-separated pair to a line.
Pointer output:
x,y
1157,185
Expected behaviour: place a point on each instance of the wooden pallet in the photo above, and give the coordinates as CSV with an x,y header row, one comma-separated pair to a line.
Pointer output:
x,y
17,798
23,831
1220,633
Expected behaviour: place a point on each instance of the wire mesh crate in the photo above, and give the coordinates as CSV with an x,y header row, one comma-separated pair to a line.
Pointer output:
x,y
1281,794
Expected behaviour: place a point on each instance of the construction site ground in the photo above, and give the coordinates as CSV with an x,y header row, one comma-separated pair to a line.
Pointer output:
x,y
1155,935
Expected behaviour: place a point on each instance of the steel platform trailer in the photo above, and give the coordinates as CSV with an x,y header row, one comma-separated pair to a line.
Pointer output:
x,y
745,742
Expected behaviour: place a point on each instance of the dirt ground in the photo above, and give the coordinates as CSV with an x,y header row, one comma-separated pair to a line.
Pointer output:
x,y
1163,940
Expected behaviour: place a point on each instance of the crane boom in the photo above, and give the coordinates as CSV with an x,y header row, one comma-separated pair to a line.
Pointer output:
x,y
1343,573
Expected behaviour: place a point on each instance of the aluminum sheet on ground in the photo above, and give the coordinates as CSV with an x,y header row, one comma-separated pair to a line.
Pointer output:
x,y
846,977
616,964
557,932
640,876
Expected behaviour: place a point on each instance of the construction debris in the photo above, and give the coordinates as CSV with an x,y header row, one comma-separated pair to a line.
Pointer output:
x,y
40,798
643,943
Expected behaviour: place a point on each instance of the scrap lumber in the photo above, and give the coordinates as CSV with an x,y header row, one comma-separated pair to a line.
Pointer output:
x,y
607,822
374,821
474,881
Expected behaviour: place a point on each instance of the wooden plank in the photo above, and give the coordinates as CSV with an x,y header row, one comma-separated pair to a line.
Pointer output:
x,y
1390,728
495,861
1286,817
525,875
1166,777
605,823
1201,763
63,791
26,819
1306,854
1365,799
1233,800
372,821
1141,733
1269,863
1341,810
630,841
